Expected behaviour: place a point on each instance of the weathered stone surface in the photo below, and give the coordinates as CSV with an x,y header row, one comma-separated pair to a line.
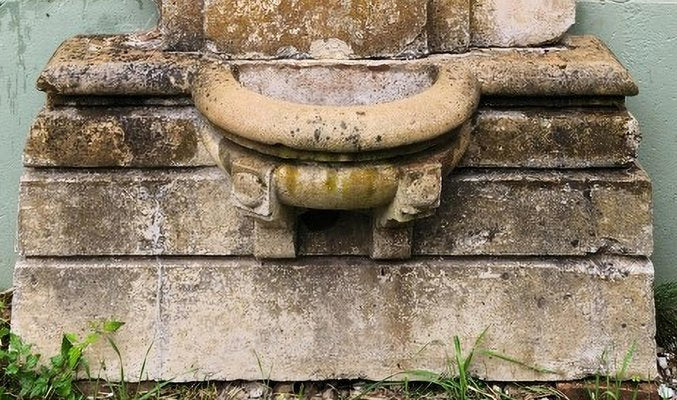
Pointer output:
x,y
138,212
165,137
360,28
182,24
483,212
116,137
542,214
336,85
53,298
564,138
328,318
583,67
516,23
448,25
117,65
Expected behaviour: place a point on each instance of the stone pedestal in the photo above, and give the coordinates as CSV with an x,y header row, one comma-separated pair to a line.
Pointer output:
x,y
541,237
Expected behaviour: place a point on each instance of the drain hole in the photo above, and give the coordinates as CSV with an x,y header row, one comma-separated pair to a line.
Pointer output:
x,y
319,220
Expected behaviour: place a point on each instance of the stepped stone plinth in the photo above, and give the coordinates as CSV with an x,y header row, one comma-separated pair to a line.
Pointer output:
x,y
336,190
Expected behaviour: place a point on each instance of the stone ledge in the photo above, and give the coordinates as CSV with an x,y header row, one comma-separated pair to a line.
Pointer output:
x,y
188,211
332,318
119,65
169,137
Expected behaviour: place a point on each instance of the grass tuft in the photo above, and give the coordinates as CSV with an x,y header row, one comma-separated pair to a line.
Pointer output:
x,y
457,382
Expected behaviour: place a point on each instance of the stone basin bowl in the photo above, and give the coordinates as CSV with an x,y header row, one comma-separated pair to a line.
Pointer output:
x,y
304,135
355,111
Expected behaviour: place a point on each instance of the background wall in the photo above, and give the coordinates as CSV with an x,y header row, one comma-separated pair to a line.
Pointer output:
x,y
30,31
643,33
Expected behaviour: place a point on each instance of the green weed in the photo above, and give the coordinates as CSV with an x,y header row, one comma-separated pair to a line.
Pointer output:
x,y
122,390
457,382
24,376
666,315
608,387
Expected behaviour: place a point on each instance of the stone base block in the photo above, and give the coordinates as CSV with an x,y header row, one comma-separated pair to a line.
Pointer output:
x,y
332,318
189,212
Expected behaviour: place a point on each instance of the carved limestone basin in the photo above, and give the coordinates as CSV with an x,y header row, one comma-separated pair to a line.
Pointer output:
x,y
353,136
336,108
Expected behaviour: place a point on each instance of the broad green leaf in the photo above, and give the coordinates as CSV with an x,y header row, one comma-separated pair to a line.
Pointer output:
x,y
74,356
112,326
66,343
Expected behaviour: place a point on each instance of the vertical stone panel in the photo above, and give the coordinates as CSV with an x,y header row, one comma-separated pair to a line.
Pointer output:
x,y
182,24
361,28
331,29
519,23
448,25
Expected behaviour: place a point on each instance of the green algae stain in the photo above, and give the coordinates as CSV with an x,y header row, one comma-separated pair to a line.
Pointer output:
x,y
331,182
291,179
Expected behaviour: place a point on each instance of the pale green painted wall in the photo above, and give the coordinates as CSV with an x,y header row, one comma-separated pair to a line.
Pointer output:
x,y
30,31
643,34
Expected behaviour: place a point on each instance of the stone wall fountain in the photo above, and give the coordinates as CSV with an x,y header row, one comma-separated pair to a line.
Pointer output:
x,y
337,189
